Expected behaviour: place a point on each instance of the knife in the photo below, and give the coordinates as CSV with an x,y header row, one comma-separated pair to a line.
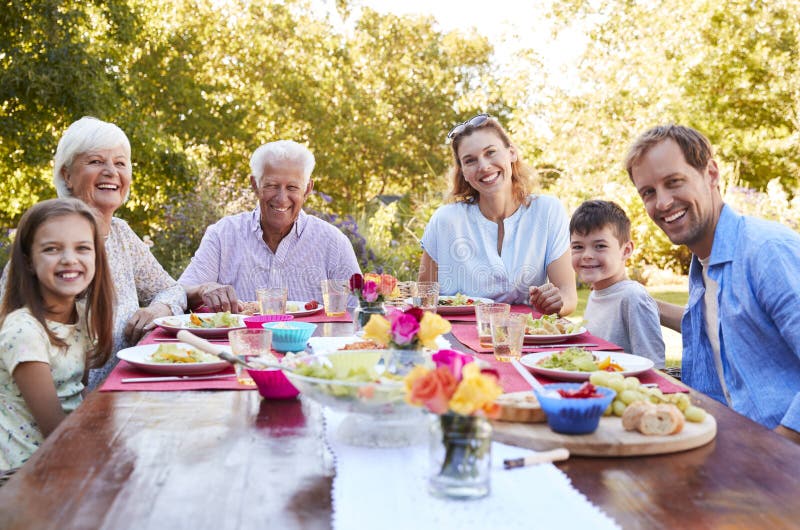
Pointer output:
x,y
561,345
174,378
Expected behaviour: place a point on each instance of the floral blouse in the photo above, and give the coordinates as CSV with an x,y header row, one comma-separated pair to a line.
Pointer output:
x,y
22,339
140,281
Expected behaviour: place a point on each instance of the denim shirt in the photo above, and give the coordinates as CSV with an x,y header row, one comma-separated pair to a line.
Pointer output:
x,y
757,266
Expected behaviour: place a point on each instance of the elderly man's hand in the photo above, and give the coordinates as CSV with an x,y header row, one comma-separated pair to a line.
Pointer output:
x,y
142,321
218,297
546,298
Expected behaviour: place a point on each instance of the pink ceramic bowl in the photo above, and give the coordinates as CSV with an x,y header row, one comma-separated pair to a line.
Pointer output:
x,y
255,321
272,384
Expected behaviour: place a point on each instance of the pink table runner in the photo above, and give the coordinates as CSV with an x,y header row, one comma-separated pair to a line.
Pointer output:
x,y
470,317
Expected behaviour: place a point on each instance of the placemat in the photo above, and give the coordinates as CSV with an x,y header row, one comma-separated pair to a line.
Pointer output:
x,y
322,317
511,381
470,317
113,382
467,334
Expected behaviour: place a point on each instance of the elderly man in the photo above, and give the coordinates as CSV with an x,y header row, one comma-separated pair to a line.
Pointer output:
x,y
741,327
277,244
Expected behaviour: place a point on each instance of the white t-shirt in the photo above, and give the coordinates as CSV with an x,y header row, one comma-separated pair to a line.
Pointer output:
x,y
23,339
463,243
626,315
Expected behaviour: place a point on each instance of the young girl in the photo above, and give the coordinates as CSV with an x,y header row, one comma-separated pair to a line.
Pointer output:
x,y
47,338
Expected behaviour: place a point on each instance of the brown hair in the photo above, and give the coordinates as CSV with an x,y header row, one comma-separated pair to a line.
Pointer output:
x,y
462,191
23,289
695,147
594,215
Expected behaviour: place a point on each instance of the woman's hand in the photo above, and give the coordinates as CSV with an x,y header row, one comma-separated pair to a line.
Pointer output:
x,y
142,321
546,298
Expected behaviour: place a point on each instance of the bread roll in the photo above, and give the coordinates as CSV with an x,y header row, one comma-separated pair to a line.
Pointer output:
x,y
633,414
661,420
521,407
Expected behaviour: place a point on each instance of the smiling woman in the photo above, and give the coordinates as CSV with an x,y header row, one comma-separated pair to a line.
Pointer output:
x,y
498,241
93,163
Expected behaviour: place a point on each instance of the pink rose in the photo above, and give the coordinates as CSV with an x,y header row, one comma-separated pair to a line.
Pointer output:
x,y
452,360
404,328
370,291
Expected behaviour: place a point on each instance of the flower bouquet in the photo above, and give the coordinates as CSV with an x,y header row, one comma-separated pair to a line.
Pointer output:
x,y
370,290
462,395
406,333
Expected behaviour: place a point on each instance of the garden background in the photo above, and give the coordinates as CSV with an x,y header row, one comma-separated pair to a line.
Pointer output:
x,y
198,85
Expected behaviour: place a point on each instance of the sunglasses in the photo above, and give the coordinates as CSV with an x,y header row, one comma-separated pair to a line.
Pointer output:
x,y
475,121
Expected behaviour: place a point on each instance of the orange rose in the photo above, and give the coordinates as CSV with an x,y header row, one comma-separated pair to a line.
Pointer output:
x,y
433,390
387,284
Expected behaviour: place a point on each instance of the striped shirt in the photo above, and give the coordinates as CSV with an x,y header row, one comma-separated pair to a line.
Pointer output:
x,y
233,252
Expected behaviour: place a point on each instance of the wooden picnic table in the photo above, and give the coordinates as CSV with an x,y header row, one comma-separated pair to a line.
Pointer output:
x,y
228,459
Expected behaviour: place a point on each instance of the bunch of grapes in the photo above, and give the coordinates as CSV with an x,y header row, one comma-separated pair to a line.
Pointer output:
x,y
630,390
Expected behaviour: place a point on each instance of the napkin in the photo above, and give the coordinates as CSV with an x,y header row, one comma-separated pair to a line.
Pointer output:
x,y
124,370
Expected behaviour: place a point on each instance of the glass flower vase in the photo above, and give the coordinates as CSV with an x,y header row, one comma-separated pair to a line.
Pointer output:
x,y
400,361
460,456
363,312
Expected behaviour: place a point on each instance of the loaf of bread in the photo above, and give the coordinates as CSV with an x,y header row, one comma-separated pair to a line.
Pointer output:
x,y
633,414
653,420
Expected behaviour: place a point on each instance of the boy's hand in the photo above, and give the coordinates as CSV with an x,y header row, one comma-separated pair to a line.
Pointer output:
x,y
546,298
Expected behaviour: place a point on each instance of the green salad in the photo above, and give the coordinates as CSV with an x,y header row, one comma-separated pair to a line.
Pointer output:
x,y
571,359
217,320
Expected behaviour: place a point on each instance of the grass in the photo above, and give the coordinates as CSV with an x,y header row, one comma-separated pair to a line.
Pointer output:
x,y
674,294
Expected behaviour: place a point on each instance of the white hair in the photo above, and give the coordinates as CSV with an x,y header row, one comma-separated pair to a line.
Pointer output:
x,y
82,136
282,151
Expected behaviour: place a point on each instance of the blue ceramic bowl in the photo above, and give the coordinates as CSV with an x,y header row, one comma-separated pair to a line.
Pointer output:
x,y
290,336
574,415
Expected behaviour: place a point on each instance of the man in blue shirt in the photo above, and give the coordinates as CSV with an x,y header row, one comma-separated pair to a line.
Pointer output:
x,y
741,326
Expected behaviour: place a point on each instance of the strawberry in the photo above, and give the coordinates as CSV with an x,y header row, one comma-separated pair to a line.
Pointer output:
x,y
313,304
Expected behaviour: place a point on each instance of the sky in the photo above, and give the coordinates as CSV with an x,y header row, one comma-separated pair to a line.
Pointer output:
x,y
508,24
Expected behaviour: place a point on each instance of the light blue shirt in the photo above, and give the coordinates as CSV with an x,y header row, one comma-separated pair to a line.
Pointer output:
x,y
463,243
757,266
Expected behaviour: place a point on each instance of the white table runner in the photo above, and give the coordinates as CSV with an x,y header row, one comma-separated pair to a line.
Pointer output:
x,y
387,489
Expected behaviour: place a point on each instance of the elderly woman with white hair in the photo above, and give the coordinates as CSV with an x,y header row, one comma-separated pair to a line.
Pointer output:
x,y
275,245
93,163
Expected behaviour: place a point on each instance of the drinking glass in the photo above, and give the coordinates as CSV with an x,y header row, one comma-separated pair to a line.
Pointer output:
x,y
272,300
483,314
508,334
249,344
427,297
334,296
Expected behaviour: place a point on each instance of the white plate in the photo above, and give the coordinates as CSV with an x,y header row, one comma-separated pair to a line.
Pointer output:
x,y
139,356
176,323
549,339
633,364
302,312
329,344
460,309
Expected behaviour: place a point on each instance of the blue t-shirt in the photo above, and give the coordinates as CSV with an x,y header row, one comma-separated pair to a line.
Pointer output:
x,y
757,266
463,243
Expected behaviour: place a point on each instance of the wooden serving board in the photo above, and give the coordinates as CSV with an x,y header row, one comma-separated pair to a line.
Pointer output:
x,y
610,439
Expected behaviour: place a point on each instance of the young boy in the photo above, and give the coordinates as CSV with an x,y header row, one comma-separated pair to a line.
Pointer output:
x,y
618,310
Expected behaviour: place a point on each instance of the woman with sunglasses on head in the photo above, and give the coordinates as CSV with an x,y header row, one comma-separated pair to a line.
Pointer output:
x,y
497,240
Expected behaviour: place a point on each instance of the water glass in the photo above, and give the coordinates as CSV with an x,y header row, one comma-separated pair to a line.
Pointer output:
x,y
427,297
249,344
335,294
483,314
508,334
272,300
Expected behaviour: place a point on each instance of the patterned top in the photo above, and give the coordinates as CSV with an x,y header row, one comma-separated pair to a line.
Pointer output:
x,y
233,252
23,339
140,281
